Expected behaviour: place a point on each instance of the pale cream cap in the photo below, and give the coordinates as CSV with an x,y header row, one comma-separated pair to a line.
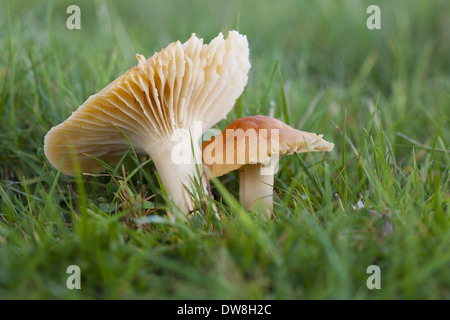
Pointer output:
x,y
175,87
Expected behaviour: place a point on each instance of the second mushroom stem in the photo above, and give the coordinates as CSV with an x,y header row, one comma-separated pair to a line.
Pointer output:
x,y
256,187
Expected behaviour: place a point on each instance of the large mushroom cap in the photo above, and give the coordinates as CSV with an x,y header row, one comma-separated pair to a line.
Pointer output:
x,y
175,87
255,139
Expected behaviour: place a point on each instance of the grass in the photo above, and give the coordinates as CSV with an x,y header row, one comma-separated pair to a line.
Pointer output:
x,y
380,198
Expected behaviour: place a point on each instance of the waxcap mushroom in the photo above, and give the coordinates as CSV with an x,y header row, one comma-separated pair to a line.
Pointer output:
x,y
255,144
272,136
158,104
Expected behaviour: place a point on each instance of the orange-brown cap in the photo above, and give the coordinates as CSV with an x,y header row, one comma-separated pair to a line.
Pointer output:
x,y
181,84
255,139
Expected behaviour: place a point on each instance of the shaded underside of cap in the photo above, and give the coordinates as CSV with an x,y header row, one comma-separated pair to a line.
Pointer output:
x,y
255,139
175,87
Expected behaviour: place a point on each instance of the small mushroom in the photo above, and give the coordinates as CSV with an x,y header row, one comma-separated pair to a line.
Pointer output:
x,y
254,145
163,105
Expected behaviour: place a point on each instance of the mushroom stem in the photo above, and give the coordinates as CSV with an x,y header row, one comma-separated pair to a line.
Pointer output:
x,y
177,168
256,187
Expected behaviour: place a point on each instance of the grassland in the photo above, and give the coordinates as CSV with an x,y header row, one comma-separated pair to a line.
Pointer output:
x,y
381,197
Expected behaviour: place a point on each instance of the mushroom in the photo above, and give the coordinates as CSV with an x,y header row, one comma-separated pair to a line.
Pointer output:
x,y
254,145
163,106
